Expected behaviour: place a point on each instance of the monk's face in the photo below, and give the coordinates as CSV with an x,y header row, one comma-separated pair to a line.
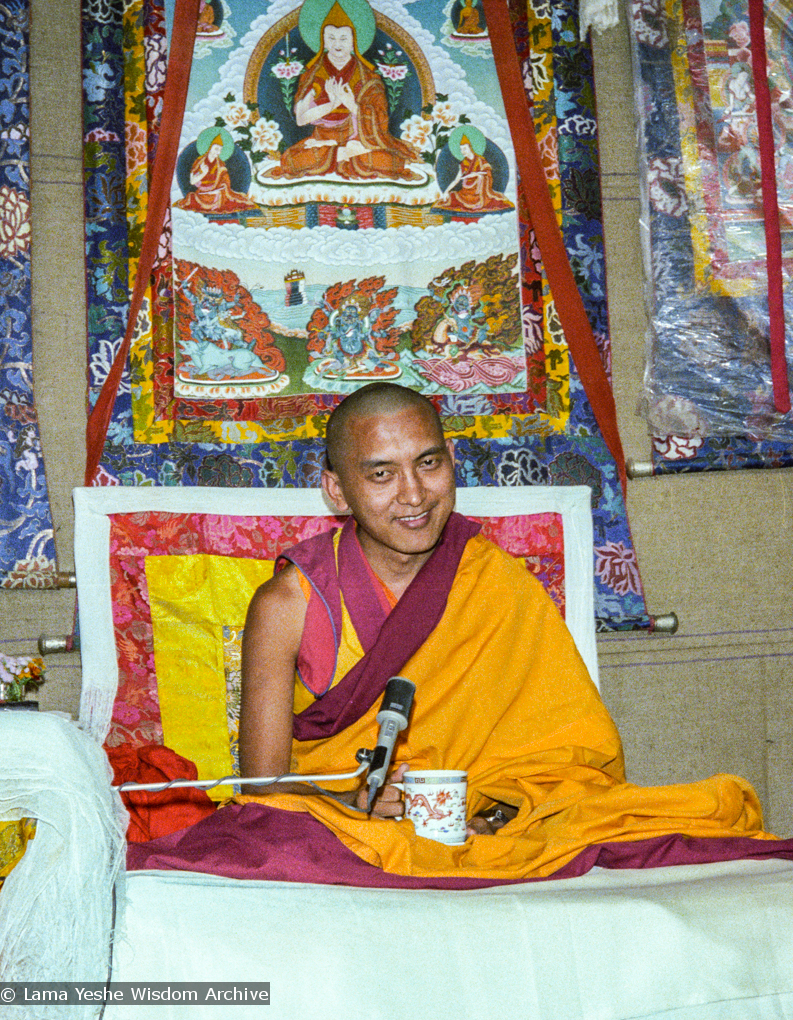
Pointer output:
x,y
338,44
395,475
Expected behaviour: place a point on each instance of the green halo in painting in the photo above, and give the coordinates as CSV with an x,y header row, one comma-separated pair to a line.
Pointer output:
x,y
314,12
474,136
207,137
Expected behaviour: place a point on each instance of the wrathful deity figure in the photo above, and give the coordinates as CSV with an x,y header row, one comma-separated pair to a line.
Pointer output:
x,y
344,99
219,349
458,329
349,330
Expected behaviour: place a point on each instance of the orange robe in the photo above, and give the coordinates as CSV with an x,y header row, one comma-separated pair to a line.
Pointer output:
x,y
502,692
214,192
476,191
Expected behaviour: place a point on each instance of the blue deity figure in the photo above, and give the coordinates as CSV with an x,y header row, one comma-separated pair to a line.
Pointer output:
x,y
219,349
214,322
348,336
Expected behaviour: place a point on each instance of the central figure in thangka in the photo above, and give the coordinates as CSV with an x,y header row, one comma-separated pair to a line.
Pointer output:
x,y
344,98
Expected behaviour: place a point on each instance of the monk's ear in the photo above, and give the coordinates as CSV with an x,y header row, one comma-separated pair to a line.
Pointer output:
x,y
450,448
332,489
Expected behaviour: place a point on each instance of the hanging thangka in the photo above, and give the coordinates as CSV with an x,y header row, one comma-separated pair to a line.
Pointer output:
x,y
27,550
404,160
345,209
710,393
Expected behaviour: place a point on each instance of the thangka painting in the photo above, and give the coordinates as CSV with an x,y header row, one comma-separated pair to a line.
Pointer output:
x,y
27,550
345,208
709,394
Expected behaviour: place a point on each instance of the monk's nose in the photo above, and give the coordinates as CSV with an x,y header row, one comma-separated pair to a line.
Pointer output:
x,y
411,491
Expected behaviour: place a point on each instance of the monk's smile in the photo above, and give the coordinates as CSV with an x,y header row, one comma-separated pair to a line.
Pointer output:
x,y
415,521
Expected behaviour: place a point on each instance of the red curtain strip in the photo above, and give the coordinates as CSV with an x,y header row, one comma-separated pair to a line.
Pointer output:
x,y
569,305
773,238
174,98
567,298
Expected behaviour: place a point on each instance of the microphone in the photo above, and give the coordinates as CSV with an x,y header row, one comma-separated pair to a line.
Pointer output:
x,y
392,718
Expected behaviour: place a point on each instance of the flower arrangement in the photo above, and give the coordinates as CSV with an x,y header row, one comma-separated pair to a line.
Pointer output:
x,y
259,137
429,131
287,71
19,673
393,71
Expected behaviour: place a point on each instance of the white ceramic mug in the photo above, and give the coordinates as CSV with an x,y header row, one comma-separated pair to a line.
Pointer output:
x,y
435,803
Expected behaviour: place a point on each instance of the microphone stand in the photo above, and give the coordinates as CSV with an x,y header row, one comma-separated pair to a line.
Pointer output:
x,y
392,719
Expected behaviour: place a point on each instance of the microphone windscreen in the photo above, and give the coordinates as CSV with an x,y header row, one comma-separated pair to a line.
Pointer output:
x,y
398,695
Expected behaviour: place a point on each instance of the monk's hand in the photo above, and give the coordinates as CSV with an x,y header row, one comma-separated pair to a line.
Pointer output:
x,y
479,826
333,92
490,821
388,802
347,97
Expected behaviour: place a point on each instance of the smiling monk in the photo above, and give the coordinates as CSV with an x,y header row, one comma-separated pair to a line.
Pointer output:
x,y
410,587
390,468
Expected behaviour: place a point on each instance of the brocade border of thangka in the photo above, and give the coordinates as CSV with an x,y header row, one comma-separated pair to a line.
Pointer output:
x,y
485,455
27,552
681,454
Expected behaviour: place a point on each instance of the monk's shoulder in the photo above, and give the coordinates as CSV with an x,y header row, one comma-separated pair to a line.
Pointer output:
x,y
506,584
279,599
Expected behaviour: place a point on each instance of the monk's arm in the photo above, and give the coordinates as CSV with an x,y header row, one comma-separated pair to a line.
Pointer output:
x,y
270,644
197,172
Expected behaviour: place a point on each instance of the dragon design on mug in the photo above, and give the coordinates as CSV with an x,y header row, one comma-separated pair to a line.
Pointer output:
x,y
419,800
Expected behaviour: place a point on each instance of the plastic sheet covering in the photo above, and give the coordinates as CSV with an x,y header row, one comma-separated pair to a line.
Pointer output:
x,y
709,366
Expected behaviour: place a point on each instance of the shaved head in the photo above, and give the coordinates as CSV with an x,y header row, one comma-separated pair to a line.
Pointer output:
x,y
390,467
376,399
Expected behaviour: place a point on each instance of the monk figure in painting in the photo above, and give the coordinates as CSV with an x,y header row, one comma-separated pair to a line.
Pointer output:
x,y
210,178
344,98
468,22
475,177
206,19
